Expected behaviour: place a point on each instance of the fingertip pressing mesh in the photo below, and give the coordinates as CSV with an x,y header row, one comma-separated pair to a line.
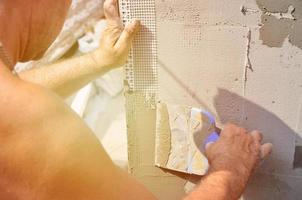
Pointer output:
x,y
141,68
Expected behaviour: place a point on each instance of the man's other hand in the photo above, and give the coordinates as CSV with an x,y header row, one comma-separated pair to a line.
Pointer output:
x,y
116,39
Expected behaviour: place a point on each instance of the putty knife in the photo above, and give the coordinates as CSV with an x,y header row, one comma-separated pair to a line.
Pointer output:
x,y
181,135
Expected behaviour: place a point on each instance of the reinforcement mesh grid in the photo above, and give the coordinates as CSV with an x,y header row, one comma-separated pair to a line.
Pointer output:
x,y
141,69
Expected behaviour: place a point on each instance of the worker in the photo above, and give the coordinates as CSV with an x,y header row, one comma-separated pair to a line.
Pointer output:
x,y
48,153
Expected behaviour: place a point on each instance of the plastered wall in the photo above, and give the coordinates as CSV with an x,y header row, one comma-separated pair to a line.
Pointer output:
x,y
241,60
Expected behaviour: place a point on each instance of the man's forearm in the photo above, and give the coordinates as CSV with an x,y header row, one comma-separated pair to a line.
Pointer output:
x,y
219,185
66,77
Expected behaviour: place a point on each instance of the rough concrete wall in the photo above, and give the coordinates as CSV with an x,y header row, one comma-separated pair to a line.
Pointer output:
x,y
242,60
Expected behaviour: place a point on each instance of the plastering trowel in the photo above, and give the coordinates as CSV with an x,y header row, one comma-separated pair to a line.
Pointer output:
x,y
181,135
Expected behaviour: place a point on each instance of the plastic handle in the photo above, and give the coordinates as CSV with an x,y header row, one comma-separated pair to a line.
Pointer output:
x,y
215,135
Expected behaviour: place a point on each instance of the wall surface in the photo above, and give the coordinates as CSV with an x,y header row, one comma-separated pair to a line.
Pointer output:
x,y
242,60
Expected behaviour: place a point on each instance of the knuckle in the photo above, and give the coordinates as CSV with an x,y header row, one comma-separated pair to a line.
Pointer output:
x,y
242,130
228,128
249,138
257,135
129,30
256,148
226,131
117,30
260,136
256,132
257,145
113,29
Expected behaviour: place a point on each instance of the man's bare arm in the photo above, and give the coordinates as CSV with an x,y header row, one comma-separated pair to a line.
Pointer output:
x,y
232,159
220,185
68,76
47,152
65,77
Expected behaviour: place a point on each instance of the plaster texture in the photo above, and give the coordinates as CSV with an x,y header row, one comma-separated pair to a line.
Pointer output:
x,y
242,60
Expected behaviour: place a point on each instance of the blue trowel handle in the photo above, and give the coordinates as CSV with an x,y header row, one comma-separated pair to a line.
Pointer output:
x,y
215,135
212,138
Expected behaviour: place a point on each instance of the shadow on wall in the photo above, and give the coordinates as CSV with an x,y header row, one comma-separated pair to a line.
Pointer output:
x,y
183,85
281,19
273,128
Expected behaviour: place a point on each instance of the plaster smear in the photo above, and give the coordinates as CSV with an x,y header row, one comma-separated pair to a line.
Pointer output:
x,y
281,19
141,94
180,135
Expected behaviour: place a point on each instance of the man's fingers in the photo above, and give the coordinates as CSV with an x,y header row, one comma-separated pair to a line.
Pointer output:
x,y
208,145
230,130
257,136
127,35
265,150
112,13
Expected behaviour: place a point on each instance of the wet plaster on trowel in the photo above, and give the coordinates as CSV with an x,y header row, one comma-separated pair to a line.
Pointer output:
x,y
141,143
180,135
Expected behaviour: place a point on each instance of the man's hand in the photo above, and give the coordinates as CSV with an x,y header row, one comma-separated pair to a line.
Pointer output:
x,y
232,160
70,75
237,151
116,40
